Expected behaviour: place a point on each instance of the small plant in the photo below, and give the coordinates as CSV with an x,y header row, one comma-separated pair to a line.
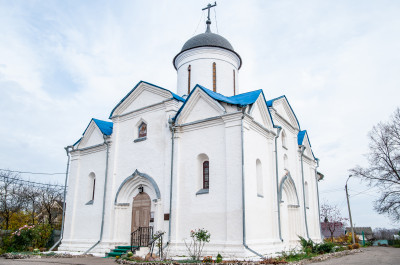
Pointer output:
x,y
129,254
350,247
356,246
36,251
219,258
117,257
325,248
207,259
199,238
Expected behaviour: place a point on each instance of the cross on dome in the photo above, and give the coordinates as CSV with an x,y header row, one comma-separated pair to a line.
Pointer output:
x,y
208,22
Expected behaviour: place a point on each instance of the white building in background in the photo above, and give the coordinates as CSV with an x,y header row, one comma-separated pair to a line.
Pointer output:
x,y
238,165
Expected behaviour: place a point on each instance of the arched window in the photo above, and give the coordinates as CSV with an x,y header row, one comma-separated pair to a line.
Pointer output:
x,y
189,75
203,174
214,77
260,188
92,187
306,195
206,175
284,139
142,130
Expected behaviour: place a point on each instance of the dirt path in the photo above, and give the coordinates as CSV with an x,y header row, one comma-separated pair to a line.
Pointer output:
x,y
59,261
371,255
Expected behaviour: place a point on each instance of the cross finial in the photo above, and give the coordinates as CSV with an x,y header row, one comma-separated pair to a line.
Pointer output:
x,y
208,22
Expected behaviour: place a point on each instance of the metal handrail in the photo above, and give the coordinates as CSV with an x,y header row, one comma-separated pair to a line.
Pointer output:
x,y
141,237
155,238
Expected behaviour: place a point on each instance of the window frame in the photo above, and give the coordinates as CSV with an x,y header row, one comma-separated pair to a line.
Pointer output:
x,y
140,134
206,183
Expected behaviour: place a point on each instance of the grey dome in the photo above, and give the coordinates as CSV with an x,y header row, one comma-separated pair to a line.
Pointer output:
x,y
207,39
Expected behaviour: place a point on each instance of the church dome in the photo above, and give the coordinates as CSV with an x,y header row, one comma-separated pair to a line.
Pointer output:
x,y
207,39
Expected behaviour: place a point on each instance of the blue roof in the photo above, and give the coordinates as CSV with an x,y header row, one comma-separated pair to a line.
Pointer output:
x,y
105,127
173,95
300,137
240,100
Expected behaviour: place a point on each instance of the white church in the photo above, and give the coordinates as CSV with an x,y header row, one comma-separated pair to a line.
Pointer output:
x,y
236,164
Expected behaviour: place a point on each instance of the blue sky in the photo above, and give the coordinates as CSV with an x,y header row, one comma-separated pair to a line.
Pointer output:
x,y
64,62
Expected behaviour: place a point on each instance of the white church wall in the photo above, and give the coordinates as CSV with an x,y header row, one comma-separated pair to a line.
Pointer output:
x,y
136,155
77,228
201,61
219,210
260,215
195,211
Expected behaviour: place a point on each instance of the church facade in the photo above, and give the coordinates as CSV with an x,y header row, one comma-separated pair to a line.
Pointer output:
x,y
237,165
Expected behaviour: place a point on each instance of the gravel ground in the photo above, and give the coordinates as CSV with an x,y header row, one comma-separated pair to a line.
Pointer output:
x,y
371,255
368,256
59,261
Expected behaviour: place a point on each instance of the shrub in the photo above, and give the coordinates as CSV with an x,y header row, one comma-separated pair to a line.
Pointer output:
x,y
28,238
129,254
356,246
325,248
350,247
219,258
199,238
309,247
117,257
207,259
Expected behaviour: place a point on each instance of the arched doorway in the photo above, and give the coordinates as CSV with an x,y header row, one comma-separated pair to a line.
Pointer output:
x,y
290,218
141,208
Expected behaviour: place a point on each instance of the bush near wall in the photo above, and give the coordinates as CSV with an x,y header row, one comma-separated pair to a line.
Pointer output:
x,y
26,238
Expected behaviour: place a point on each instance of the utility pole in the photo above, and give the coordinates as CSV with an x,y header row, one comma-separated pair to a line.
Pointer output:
x,y
348,206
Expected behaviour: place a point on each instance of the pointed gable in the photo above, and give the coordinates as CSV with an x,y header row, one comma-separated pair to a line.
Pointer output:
x,y
260,113
94,133
284,110
199,105
142,95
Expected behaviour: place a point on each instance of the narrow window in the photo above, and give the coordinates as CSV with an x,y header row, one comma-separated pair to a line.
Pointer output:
x,y
206,175
214,77
91,188
142,130
94,187
260,188
189,71
234,83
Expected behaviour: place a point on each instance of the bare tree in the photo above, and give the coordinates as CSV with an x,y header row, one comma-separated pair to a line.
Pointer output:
x,y
384,233
32,205
50,201
331,218
383,170
11,199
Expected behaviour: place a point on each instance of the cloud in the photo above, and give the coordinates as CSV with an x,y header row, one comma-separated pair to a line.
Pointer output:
x,y
62,63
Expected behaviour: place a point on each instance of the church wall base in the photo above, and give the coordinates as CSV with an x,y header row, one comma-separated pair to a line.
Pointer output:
x,y
80,246
231,251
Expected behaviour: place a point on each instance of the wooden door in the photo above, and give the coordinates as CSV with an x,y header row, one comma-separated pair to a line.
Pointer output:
x,y
141,207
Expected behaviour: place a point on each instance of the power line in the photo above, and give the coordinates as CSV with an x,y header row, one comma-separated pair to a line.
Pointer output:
x,y
32,182
33,173
201,18
215,15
